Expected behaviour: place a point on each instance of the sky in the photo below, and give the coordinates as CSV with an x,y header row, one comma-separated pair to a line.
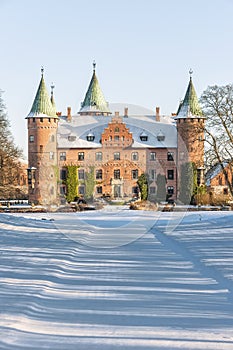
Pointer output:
x,y
143,49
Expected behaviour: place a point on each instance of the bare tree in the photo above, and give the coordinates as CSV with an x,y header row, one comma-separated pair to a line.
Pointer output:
x,y
217,105
9,153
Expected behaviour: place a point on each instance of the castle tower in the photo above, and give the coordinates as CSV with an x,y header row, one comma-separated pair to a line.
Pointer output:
x,y
94,102
42,124
190,130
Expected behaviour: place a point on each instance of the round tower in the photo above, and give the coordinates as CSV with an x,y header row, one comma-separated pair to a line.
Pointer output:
x,y
190,132
42,124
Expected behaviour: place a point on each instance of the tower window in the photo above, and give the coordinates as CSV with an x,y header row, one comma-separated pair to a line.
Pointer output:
x,y
80,155
98,156
41,120
170,156
31,138
134,156
41,148
33,119
117,156
117,174
170,174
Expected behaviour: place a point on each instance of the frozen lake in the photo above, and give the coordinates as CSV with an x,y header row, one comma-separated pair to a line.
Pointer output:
x,y
116,279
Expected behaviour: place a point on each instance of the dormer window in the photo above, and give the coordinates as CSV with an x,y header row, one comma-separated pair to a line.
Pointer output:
x,y
143,136
90,137
160,136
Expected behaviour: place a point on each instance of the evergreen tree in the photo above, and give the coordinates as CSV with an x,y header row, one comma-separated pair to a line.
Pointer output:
x,y
143,186
188,183
161,187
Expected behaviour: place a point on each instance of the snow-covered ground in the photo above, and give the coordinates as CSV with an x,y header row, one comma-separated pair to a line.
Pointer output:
x,y
116,279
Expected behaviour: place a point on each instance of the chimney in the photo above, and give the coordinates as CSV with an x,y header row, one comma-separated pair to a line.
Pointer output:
x,y
126,112
157,114
68,114
117,114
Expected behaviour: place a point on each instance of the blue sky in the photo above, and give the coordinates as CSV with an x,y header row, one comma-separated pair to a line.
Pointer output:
x,y
143,50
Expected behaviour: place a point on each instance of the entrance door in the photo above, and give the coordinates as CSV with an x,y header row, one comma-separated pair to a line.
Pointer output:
x,y
117,191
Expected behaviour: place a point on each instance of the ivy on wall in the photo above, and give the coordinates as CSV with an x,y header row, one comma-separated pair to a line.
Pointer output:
x,y
90,183
71,182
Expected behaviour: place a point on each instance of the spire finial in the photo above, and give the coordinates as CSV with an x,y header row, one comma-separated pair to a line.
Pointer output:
x,y
94,65
190,73
52,88
42,71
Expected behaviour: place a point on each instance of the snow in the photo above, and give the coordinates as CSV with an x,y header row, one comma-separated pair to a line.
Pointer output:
x,y
116,279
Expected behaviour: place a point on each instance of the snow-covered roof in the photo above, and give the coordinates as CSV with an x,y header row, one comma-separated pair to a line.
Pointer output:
x,y
81,126
214,171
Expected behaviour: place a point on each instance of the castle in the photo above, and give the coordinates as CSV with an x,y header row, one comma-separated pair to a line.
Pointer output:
x,y
113,149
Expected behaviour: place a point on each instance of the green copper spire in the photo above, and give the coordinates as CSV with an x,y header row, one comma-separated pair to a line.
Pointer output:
x,y
42,104
189,107
94,101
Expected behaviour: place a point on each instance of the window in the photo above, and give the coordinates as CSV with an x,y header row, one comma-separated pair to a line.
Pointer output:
x,y
90,137
117,129
152,155
31,138
62,190
41,148
81,190
220,181
33,119
135,174
99,174
170,189
80,155
81,174
62,155
99,189
152,190
116,138
170,156
170,174
41,120
134,156
51,155
117,156
117,174
98,156
63,174
152,174
143,137
135,190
